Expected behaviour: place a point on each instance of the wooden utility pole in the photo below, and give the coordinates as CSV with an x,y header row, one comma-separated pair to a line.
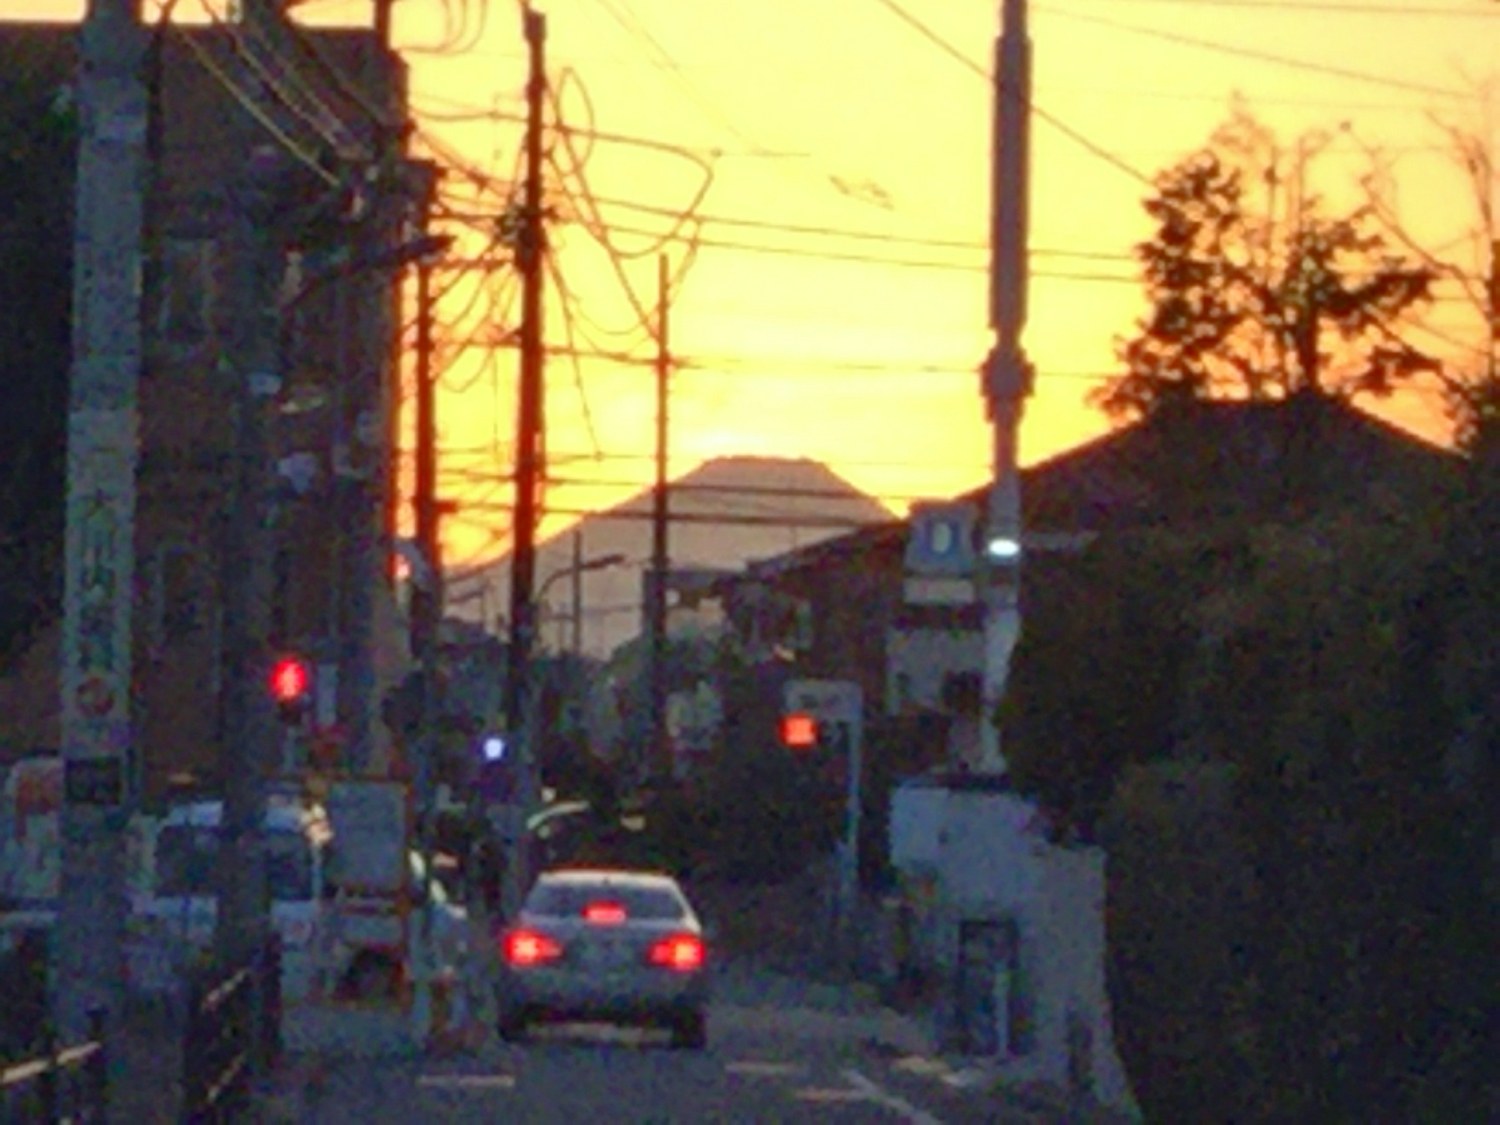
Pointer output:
x,y
658,753
99,752
382,21
530,257
427,580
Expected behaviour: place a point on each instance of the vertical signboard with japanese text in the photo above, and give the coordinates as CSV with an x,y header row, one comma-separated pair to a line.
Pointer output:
x,y
96,658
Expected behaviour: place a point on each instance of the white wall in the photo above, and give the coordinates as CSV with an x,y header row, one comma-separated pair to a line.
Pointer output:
x,y
1068,951
985,858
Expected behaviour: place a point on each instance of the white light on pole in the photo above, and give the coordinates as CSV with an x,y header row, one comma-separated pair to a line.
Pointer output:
x,y
1003,548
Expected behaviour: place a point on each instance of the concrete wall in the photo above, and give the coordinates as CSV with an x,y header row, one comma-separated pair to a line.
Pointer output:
x,y
1067,950
969,856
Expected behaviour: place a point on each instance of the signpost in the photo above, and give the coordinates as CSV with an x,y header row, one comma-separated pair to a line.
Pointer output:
x,y
838,708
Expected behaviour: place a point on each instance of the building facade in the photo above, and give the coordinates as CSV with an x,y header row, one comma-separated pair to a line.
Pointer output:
x,y
338,97
844,608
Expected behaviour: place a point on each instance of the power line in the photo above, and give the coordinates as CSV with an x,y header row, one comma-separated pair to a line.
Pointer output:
x,y
923,29
716,364
854,235
634,26
286,82
260,116
560,283
1316,7
1238,51
832,523
745,490
870,259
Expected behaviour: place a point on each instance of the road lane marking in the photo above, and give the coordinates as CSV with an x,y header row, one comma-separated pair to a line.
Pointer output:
x,y
964,1079
920,1065
757,1068
828,1094
468,1081
874,1093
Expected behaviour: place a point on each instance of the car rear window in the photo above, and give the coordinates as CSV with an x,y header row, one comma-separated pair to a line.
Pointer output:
x,y
569,900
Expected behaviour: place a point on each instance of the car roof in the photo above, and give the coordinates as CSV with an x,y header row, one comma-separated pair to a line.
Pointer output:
x,y
615,875
280,817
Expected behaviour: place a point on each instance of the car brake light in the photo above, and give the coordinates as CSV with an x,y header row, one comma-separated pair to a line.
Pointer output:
x,y
604,913
527,947
682,952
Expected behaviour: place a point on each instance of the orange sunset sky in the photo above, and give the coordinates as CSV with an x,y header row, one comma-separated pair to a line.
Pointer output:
x,y
834,308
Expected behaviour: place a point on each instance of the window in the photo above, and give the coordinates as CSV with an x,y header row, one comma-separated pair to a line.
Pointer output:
x,y
568,900
182,304
289,872
187,860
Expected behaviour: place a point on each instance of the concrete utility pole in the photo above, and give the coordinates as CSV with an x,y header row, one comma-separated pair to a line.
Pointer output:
x,y
576,645
531,251
1007,373
659,758
256,263
99,751
252,369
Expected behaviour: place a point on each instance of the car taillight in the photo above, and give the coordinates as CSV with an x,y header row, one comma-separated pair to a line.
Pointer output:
x,y
604,913
682,952
527,947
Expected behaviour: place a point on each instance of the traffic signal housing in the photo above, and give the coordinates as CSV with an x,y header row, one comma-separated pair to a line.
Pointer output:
x,y
495,778
291,688
799,731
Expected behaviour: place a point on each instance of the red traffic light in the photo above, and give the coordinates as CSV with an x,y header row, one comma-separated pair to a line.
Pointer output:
x,y
290,680
799,731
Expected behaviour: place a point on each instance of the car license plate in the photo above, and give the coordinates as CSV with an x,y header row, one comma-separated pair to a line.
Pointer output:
x,y
606,955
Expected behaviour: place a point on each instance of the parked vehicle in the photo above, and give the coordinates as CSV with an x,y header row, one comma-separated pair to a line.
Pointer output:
x,y
605,945
173,922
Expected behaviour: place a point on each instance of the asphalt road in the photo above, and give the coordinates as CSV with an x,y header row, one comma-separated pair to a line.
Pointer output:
x,y
766,1061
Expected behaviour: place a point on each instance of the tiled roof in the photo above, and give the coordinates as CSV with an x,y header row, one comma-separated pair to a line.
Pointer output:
x,y
1214,459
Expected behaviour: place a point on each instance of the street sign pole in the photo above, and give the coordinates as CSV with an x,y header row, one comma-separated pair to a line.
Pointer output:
x,y
838,705
849,874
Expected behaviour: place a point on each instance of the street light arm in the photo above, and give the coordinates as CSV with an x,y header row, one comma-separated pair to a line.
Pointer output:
x,y
423,248
599,562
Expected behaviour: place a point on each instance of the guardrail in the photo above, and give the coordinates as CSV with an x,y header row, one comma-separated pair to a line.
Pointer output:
x,y
233,1030
62,1083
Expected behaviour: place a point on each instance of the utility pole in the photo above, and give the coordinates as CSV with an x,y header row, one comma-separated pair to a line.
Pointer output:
x,y
1007,372
659,761
530,256
577,575
99,752
426,588
383,22
253,378
1493,212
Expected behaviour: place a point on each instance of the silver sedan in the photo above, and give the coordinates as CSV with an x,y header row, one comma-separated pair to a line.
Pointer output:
x,y
611,946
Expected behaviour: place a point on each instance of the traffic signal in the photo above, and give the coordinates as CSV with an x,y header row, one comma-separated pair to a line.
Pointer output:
x,y
291,687
496,779
799,731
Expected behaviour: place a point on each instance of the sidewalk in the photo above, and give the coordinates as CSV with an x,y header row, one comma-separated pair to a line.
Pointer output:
x,y
906,1047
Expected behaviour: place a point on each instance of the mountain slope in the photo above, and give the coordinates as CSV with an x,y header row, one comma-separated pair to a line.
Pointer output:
x,y
723,514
